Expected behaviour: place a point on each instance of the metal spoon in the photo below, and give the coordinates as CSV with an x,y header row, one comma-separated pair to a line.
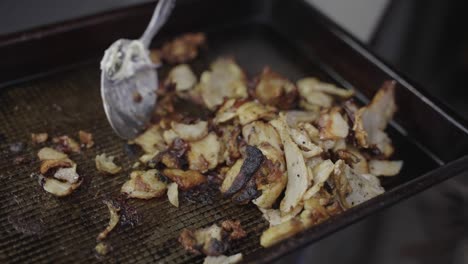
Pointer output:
x,y
129,78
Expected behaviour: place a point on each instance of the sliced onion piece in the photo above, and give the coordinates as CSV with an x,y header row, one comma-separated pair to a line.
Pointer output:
x,y
144,185
296,168
191,132
51,154
173,194
385,167
106,164
223,259
114,217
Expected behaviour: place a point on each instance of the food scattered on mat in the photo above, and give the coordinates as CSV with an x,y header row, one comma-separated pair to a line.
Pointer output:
x,y
114,217
144,185
213,240
106,164
17,147
86,139
222,259
38,138
173,194
102,248
58,174
307,140
302,151
182,49
66,144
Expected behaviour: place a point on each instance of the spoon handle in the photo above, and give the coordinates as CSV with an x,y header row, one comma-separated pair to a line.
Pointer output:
x,y
161,14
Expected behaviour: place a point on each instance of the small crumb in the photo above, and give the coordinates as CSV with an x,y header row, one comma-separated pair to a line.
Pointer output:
x,y
86,139
17,147
57,107
66,144
137,98
38,138
155,56
106,164
18,160
102,248
136,165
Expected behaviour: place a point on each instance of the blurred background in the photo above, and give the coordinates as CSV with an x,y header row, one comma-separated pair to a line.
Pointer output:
x,y
425,39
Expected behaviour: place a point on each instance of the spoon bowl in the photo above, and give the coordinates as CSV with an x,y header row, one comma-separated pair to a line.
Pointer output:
x,y
129,79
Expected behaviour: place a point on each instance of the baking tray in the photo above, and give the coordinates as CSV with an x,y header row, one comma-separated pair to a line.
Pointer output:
x,y
49,81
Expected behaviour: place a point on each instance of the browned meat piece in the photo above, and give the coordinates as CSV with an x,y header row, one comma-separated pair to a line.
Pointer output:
x,y
235,182
182,49
213,240
173,157
185,179
273,89
86,139
66,144
235,228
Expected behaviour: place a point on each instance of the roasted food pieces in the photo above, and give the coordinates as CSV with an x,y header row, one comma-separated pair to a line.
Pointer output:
x,y
223,259
183,48
105,164
225,80
86,139
301,152
182,77
38,138
205,154
151,141
185,180
237,179
66,144
273,89
58,174
370,121
296,168
213,240
144,185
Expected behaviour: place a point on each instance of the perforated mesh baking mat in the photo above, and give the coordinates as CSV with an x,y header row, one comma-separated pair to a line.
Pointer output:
x,y
37,227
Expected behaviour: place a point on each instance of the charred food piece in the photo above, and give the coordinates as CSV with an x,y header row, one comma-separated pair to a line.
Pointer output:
x,y
252,162
213,240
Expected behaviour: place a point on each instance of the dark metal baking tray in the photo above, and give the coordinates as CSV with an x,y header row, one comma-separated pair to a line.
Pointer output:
x,y
49,81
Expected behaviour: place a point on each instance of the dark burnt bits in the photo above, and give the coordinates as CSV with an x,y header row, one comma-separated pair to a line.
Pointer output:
x,y
204,194
131,150
173,157
253,160
128,214
137,98
213,240
235,229
66,144
345,155
248,193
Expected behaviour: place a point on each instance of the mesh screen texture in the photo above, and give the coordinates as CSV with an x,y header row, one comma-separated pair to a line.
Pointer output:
x,y
36,227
